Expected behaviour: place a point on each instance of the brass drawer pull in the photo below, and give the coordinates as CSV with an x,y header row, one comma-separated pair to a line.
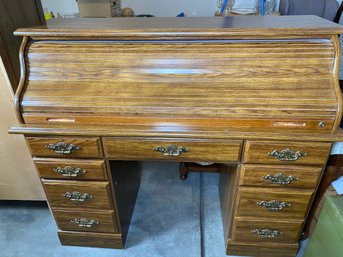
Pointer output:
x,y
171,150
63,148
281,179
85,222
266,232
77,196
274,205
287,155
68,171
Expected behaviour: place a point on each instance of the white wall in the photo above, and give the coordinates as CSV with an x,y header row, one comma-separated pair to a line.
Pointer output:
x,y
161,8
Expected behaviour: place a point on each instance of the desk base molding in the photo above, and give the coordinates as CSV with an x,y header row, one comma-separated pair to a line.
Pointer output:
x,y
261,249
101,240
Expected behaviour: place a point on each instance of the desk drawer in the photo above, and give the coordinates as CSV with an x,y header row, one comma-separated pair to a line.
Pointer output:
x,y
81,194
273,202
70,220
65,147
283,176
252,230
183,149
286,152
70,168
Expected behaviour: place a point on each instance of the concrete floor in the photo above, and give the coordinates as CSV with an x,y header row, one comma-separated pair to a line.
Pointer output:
x,y
169,227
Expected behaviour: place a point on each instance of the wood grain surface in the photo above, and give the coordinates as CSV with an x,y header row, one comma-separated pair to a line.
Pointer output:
x,y
94,169
103,240
88,147
253,175
198,150
298,200
243,230
186,28
208,80
55,190
106,220
259,152
261,249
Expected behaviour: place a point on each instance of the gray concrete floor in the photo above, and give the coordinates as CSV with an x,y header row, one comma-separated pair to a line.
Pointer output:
x,y
169,227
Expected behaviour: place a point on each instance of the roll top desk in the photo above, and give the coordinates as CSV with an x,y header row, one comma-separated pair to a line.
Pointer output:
x,y
258,95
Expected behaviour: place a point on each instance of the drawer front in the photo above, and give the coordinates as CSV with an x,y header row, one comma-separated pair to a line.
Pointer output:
x,y
70,168
80,194
65,147
174,149
86,221
103,240
273,203
285,176
251,230
286,152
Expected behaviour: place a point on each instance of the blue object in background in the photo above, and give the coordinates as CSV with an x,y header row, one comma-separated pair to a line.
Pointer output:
x,y
223,7
182,14
262,7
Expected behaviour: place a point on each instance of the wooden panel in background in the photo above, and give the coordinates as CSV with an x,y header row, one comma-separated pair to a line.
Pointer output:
x,y
16,14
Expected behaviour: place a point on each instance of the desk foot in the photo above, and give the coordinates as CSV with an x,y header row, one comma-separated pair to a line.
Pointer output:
x,y
183,170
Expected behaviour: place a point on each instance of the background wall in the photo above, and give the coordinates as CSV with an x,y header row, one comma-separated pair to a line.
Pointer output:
x,y
60,7
160,8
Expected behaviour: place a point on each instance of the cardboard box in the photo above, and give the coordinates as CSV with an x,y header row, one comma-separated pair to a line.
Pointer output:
x,y
98,8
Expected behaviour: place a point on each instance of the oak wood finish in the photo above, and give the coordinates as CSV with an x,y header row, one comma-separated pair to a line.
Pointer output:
x,y
253,175
145,83
103,240
243,230
94,169
259,152
188,28
89,147
106,220
261,249
229,89
198,150
250,197
100,191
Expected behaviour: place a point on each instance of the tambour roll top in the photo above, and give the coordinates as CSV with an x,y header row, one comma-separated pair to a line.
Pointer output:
x,y
226,77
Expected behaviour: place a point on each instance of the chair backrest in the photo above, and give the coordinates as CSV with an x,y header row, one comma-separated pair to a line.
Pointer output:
x,y
322,8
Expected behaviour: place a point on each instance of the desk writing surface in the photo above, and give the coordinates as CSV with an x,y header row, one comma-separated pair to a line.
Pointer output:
x,y
259,95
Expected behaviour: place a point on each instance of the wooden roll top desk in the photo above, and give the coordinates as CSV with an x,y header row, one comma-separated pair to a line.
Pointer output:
x,y
258,95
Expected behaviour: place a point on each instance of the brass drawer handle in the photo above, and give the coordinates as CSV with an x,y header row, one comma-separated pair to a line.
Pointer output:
x,y
287,155
77,196
274,205
68,171
85,222
267,233
281,179
63,148
171,150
